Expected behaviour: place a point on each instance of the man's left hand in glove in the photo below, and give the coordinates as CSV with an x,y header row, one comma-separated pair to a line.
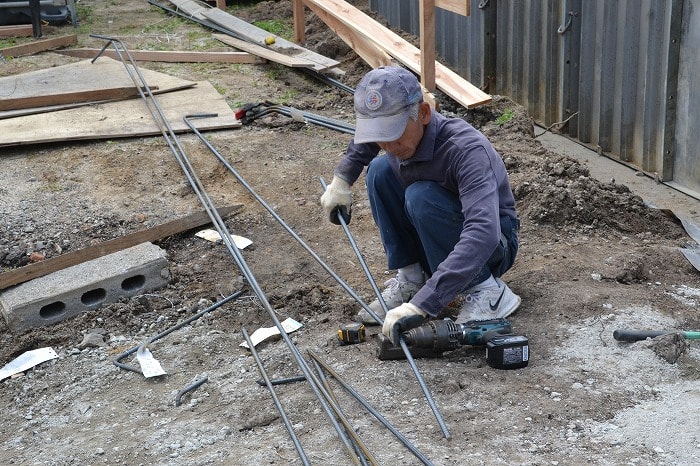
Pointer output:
x,y
401,319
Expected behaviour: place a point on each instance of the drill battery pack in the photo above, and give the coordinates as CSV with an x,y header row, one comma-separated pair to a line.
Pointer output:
x,y
507,351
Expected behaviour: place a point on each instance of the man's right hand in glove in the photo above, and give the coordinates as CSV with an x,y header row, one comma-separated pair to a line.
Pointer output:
x,y
337,199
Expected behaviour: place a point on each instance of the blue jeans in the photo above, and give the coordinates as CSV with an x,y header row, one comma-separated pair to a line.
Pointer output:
x,y
423,223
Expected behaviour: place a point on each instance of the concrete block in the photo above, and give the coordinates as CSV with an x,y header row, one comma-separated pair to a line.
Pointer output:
x,y
84,287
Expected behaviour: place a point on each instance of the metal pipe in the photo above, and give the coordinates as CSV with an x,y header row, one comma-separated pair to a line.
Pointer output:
x,y
278,405
369,408
171,330
404,347
181,157
240,179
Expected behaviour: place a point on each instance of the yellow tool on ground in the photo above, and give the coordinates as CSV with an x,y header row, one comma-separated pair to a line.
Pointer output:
x,y
352,333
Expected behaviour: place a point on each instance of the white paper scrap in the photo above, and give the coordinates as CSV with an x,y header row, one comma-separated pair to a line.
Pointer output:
x,y
26,361
214,236
149,365
289,325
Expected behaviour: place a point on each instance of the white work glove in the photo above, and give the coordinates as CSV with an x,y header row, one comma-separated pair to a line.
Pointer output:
x,y
401,319
337,199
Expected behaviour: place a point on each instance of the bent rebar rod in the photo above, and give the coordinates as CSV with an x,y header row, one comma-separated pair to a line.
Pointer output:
x,y
275,399
274,214
189,388
181,157
171,330
369,408
404,347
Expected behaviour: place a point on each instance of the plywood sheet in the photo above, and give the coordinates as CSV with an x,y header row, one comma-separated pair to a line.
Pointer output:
x,y
82,81
124,118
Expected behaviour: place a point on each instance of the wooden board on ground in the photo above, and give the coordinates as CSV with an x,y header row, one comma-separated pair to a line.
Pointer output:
x,y
82,81
459,89
258,36
21,30
263,52
125,118
39,269
193,8
39,46
170,56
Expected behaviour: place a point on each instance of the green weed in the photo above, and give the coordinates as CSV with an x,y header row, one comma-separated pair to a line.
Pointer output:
x,y
279,28
505,117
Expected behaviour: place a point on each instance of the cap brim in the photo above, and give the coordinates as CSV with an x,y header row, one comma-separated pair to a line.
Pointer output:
x,y
380,129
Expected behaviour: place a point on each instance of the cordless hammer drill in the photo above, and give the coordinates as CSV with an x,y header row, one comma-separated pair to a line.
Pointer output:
x,y
503,349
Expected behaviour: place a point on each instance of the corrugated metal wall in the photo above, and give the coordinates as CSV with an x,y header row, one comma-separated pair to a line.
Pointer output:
x,y
614,64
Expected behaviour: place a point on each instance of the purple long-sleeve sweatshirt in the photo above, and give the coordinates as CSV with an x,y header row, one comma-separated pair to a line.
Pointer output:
x,y
462,160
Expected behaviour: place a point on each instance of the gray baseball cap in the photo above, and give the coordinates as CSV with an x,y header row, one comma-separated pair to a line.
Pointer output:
x,y
383,100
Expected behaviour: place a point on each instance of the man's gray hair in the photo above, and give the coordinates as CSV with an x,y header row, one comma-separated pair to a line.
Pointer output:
x,y
414,111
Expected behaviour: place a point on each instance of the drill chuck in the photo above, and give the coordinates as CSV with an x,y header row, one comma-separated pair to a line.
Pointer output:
x,y
439,335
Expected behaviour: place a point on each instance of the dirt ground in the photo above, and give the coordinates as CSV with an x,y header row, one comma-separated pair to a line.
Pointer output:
x,y
594,258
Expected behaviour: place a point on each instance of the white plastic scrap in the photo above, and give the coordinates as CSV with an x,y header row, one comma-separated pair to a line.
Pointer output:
x,y
26,361
149,365
289,325
214,237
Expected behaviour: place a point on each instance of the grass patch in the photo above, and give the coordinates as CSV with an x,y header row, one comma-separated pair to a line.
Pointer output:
x,y
279,28
505,117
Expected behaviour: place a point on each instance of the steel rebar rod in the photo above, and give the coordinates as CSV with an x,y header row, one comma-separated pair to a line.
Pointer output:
x,y
301,115
371,409
274,214
171,330
404,347
275,399
193,386
183,161
286,380
359,446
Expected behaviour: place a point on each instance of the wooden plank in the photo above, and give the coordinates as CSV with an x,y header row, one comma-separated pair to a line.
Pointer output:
x,y
191,7
68,98
158,232
39,46
257,36
427,44
373,55
267,54
21,30
126,118
170,56
459,89
91,81
461,7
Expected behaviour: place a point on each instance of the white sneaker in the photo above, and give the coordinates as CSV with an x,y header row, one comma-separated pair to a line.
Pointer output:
x,y
490,303
398,291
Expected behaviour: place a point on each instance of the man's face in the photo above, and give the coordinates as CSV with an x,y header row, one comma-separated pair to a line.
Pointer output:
x,y
405,146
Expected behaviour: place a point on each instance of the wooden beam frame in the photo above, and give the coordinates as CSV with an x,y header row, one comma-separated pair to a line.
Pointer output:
x,y
373,32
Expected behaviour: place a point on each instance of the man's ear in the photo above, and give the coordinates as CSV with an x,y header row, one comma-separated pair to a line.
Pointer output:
x,y
424,113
